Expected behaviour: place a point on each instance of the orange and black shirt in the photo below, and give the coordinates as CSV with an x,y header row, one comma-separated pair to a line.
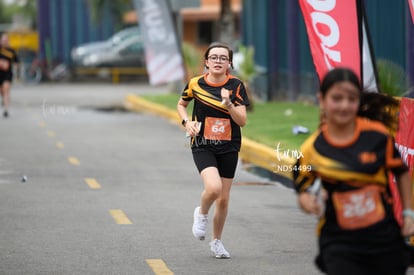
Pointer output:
x,y
9,56
218,129
345,169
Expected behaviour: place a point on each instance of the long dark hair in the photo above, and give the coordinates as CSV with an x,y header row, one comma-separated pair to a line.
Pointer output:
x,y
219,45
375,106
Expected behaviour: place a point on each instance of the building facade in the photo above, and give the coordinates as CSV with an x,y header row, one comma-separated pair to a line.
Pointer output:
x,y
275,28
282,47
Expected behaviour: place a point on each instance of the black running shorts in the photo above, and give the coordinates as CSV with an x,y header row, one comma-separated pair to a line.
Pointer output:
x,y
4,76
225,163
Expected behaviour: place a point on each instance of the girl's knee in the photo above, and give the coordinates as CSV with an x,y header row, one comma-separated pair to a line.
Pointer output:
x,y
222,203
214,191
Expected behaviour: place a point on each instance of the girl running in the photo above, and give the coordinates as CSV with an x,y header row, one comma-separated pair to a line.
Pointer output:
x,y
352,156
7,57
219,111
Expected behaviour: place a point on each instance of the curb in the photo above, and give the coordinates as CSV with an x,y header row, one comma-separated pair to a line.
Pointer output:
x,y
252,152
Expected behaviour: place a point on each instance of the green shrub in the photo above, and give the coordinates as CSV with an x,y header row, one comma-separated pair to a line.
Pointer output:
x,y
192,60
392,78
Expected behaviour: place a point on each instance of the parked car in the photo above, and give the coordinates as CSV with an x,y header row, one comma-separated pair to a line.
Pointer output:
x,y
128,53
78,53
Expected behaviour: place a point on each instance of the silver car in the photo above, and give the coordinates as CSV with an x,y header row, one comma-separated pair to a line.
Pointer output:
x,y
78,53
128,53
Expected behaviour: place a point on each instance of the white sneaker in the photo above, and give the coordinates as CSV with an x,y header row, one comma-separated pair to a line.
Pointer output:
x,y
218,249
200,224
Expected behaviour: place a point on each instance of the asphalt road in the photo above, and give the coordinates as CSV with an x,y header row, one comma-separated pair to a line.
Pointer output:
x,y
113,192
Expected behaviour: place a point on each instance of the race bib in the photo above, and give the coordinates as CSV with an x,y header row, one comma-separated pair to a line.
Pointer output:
x,y
217,128
4,64
358,209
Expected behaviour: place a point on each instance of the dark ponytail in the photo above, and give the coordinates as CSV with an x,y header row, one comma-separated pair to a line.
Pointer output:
x,y
380,107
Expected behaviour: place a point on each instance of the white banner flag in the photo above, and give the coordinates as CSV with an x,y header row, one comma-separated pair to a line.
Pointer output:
x,y
163,55
368,70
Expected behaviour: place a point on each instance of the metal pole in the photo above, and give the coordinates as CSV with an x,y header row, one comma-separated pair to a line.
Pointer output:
x,y
293,50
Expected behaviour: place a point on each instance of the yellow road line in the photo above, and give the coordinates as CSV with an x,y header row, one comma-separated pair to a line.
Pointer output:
x,y
73,161
60,145
159,267
119,216
93,184
51,133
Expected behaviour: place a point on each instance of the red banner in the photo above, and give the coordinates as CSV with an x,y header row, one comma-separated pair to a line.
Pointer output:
x,y
405,135
332,28
404,140
338,38
411,4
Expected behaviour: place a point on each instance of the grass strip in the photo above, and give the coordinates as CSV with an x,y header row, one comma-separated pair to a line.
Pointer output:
x,y
270,123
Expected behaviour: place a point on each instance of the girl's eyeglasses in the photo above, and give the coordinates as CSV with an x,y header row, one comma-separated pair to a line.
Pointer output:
x,y
215,58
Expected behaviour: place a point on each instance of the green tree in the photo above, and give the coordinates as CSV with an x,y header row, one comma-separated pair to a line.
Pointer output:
x,y
117,9
25,8
3,18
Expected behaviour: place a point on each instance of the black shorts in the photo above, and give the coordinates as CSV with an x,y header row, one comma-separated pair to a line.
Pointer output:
x,y
225,163
5,77
336,260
